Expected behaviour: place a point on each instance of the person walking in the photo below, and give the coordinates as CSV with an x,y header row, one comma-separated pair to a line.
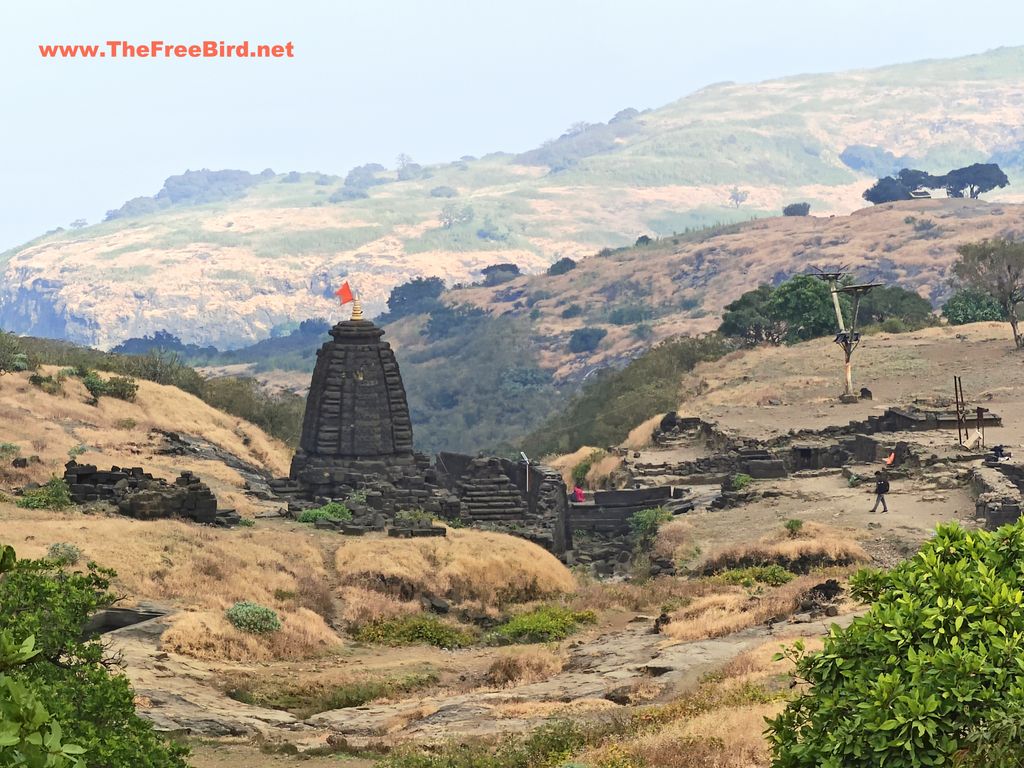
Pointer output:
x,y
881,488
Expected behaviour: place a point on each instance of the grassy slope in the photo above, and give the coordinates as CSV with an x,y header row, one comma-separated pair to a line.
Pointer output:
x,y
226,273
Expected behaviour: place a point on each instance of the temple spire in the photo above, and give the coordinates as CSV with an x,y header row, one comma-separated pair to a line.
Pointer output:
x,y
357,310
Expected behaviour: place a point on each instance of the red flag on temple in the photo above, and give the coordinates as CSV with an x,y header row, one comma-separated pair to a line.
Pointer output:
x,y
344,293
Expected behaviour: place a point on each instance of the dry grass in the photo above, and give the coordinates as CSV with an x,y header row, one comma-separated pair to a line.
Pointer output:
x,y
675,540
529,710
602,469
816,546
207,635
658,594
50,425
642,435
567,462
488,568
522,666
360,606
733,609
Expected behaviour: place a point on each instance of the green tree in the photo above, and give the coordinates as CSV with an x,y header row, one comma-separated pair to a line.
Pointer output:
x,y
996,269
921,678
586,339
750,319
892,302
797,209
563,265
972,307
803,308
12,357
974,180
418,295
886,190
59,685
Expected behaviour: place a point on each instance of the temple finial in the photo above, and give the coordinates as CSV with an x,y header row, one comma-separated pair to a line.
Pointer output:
x,y
357,310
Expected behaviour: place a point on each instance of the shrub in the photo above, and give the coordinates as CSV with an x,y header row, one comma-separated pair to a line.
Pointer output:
x,y
793,527
443,191
414,630
332,511
252,618
772,575
586,339
644,523
9,451
543,625
797,209
126,424
48,384
972,307
917,680
122,387
53,495
563,265
344,194
739,481
75,451
63,553
629,315
581,470
573,310
59,700
414,518
893,325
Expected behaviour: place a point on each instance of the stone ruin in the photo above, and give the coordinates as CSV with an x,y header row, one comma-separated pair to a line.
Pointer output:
x,y
138,494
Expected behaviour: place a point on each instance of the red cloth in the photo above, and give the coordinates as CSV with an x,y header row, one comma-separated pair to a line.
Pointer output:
x,y
577,494
344,293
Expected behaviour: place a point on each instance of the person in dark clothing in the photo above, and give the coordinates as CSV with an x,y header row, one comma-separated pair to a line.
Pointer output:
x,y
881,488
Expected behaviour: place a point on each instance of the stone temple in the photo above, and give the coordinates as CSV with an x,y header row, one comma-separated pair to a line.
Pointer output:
x,y
356,433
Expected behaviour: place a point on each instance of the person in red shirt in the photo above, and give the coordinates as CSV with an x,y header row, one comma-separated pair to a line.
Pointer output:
x,y
577,494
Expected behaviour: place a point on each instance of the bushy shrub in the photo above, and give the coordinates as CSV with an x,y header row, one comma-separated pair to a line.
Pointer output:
x,y
53,495
253,618
794,526
122,387
644,523
586,339
414,630
63,553
581,470
563,265
972,307
573,310
60,705
331,511
919,678
772,575
9,451
797,209
414,518
48,384
629,315
739,481
543,625
444,191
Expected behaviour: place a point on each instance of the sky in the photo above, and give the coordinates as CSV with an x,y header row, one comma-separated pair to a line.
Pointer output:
x,y
435,79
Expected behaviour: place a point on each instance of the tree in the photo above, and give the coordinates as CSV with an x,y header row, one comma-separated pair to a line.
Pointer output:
x,y
886,190
913,179
586,339
892,302
738,196
922,677
797,209
403,160
749,318
802,307
974,180
563,265
966,306
12,357
995,268
418,295
61,680
496,274
78,223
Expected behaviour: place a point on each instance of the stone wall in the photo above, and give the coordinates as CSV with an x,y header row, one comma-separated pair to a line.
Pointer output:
x,y
138,494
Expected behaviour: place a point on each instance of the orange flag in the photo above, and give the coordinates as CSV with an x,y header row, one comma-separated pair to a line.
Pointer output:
x,y
344,293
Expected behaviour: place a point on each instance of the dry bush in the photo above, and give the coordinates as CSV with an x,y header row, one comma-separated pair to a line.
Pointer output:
x,y
731,609
602,469
361,606
642,436
567,462
207,635
816,546
527,665
674,540
315,594
756,664
465,565
528,710
661,593
729,737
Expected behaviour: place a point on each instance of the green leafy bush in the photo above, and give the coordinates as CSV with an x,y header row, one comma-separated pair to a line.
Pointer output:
x,y
581,470
772,575
543,625
573,310
644,523
966,306
413,630
563,265
253,618
63,553
919,678
13,358
9,451
48,384
794,526
739,481
414,518
334,510
60,705
53,495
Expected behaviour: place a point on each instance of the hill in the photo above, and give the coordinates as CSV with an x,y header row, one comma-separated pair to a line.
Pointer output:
x,y
225,258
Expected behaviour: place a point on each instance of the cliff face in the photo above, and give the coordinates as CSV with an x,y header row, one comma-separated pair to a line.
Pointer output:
x,y
227,269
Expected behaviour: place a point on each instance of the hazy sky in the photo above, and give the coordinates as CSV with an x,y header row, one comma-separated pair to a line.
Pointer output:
x,y
433,78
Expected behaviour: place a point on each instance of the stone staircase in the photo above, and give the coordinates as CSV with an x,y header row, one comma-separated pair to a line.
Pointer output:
x,y
488,496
